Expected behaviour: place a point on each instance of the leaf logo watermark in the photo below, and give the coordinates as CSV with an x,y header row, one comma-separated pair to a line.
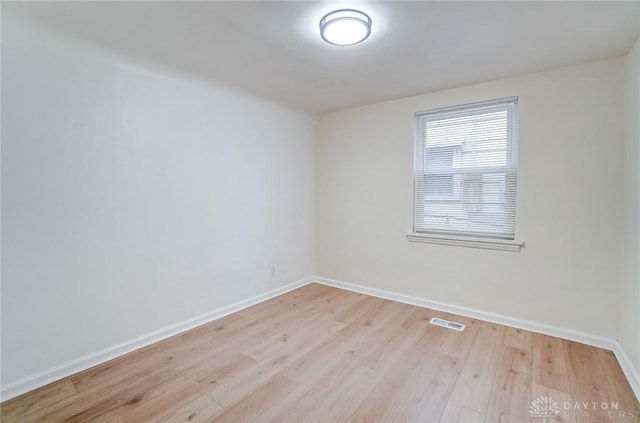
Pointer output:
x,y
544,408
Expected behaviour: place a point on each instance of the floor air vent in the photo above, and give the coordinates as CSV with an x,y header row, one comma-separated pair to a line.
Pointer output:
x,y
447,324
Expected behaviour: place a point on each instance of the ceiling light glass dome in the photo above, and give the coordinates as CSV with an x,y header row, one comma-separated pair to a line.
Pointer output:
x,y
345,27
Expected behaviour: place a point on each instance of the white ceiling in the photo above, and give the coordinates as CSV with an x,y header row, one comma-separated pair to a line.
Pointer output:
x,y
273,49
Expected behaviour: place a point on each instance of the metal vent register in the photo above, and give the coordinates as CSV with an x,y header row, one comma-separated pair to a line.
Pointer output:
x,y
447,324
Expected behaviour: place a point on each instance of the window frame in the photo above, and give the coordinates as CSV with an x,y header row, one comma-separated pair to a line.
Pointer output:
x,y
478,240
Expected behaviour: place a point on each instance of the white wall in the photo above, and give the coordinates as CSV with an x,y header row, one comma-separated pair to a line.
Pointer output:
x,y
568,203
134,199
629,335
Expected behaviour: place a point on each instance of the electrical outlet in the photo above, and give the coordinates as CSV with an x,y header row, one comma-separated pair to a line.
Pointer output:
x,y
274,271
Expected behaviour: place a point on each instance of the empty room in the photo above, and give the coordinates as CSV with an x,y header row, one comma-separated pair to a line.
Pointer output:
x,y
320,211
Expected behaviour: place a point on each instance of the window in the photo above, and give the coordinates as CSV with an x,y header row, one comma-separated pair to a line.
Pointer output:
x,y
465,171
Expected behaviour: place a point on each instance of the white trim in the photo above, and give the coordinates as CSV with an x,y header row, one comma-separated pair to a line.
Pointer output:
x,y
460,241
583,338
473,106
632,374
45,377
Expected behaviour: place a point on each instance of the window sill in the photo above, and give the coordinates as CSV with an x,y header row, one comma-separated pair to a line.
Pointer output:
x,y
459,241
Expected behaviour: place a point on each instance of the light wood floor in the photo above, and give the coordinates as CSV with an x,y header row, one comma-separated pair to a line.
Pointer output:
x,y
320,354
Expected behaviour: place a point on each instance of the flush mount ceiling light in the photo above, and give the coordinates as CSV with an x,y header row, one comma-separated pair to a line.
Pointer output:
x,y
345,27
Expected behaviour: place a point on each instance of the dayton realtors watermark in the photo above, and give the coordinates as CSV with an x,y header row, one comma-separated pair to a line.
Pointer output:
x,y
547,409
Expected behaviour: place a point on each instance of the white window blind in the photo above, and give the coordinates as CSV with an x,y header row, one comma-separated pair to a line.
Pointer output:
x,y
466,170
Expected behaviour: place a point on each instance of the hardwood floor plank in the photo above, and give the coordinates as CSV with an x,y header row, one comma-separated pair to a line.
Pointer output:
x,y
158,354
390,345
311,332
511,393
343,401
427,401
479,368
388,398
343,308
307,396
583,362
549,363
228,390
97,399
618,384
588,381
198,360
288,347
223,367
455,413
518,338
161,399
253,403
371,316
42,398
308,295
355,419
315,363
458,346
86,406
559,397
200,410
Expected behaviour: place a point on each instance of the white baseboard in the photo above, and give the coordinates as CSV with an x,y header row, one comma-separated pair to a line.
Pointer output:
x,y
597,341
45,377
569,334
